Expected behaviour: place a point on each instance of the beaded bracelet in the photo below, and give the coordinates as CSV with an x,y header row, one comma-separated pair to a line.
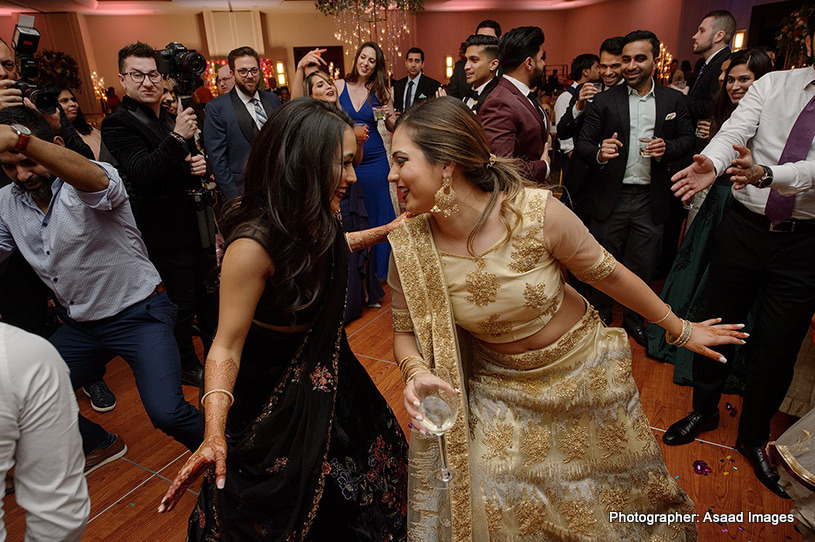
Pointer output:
x,y
231,397
684,337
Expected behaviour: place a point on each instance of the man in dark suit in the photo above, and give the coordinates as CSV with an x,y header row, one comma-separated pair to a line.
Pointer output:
x,y
570,124
234,119
481,69
512,117
458,87
416,87
151,149
711,39
628,182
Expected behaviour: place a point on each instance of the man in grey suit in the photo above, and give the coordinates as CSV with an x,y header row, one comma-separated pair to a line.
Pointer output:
x,y
234,119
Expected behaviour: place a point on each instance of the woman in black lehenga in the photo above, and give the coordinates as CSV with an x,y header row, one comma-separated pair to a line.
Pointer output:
x,y
309,450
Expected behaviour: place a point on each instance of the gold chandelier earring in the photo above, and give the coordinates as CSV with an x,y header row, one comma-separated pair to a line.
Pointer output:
x,y
445,198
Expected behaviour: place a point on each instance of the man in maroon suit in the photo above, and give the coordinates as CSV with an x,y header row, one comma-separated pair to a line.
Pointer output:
x,y
512,117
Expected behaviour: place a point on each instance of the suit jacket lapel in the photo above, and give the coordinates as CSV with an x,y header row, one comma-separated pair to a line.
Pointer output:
x,y
625,122
245,121
525,100
266,102
661,111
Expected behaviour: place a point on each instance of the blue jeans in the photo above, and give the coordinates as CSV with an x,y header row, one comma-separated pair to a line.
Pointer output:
x,y
142,335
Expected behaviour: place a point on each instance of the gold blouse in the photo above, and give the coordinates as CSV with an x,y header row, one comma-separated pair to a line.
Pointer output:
x,y
512,290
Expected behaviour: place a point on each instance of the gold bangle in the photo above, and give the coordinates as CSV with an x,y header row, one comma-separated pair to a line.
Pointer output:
x,y
418,370
667,314
406,359
684,337
207,394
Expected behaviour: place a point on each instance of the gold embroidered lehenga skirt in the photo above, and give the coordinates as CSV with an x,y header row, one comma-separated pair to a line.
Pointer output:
x,y
558,440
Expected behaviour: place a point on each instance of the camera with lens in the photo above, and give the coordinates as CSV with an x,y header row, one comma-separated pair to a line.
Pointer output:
x,y
25,40
182,64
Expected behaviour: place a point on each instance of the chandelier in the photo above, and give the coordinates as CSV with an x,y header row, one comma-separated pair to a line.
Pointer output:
x,y
387,22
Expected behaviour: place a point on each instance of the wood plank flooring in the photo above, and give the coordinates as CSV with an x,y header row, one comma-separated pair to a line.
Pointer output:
x,y
126,493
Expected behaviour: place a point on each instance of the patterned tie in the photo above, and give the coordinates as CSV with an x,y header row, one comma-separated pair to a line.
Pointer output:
x,y
799,142
261,114
409,97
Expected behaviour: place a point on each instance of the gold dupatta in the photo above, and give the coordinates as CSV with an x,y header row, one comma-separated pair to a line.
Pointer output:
x,y
425,289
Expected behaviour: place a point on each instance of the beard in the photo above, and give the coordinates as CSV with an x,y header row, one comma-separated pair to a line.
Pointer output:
x,y
702,48
245,90
41,192
536,78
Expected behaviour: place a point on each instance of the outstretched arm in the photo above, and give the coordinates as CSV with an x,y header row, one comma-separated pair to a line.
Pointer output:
x,y
245,270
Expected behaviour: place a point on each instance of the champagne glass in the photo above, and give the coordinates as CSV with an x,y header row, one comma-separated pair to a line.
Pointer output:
x,y
439,409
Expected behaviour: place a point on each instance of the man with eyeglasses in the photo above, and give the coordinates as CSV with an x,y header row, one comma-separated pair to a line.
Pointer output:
x,y
233,120
151,149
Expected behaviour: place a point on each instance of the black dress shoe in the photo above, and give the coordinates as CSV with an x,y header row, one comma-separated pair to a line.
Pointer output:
x,y
689,427
764,472
637,331
193,375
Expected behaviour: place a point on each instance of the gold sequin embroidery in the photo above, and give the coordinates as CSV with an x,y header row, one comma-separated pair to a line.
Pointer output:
x,y
614,499
528,513
535,296
495,327
578,516
498,438
601,269
402,322
660,490
535,443
536,209
612,437
482,286
528,251
597,379
495,513
573,443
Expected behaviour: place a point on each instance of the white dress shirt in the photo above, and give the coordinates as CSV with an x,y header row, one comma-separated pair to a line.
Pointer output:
x,y
762,121
561,105
642,117
39,437
469,101
412,90
247,101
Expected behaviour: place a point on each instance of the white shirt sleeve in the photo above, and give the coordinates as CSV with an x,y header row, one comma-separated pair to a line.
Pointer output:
x,y
39,436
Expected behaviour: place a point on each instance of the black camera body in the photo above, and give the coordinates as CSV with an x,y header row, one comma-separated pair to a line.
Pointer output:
x,y
25,41
182,64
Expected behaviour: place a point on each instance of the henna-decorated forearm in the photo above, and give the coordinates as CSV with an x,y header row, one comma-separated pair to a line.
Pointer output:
x,y
359,240
219,374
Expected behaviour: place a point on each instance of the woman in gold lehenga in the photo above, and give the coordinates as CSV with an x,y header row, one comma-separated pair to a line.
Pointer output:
x,y
550,436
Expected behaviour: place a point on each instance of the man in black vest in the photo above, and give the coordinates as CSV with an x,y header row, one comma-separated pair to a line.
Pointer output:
x,y
151,149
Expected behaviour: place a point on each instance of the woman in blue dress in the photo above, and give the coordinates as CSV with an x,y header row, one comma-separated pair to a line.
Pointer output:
x,y
364,95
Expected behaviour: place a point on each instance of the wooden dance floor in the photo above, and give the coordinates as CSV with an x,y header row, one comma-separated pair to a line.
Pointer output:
x,y
125,493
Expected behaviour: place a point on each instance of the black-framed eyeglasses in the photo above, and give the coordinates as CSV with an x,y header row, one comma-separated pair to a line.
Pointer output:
x,y
138,77
243,72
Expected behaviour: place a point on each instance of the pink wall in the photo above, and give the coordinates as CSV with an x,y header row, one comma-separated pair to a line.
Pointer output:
x,y
568,32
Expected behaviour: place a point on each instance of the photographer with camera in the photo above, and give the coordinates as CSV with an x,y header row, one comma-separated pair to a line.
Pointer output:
x,y
152,150
8,77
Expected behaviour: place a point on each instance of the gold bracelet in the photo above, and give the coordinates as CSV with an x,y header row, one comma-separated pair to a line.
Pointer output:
x,y
417,371
684,337
406,359
667,314
207,394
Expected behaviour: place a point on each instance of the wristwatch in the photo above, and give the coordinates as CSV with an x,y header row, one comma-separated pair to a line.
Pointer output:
x,y
23,135
767,179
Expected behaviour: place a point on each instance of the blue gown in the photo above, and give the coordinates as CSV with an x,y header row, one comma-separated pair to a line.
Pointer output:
x,y
372,177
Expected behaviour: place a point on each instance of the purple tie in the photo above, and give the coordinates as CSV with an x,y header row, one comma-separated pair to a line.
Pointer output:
x,y
779,208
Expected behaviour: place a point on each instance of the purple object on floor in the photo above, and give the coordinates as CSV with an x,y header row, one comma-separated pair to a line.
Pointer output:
x,y
701,467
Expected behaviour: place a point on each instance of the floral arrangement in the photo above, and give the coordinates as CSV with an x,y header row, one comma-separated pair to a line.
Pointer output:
x,y
335,7
790,39
60,68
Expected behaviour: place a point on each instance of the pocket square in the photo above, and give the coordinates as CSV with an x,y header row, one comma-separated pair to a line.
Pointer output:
x,y
421,97
670,116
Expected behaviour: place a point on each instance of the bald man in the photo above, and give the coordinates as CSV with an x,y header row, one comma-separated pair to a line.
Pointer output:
x,y
225,80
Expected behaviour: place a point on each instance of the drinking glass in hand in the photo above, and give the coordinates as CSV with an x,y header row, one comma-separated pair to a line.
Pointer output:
x,y
439,409
644,142
703,129
598,87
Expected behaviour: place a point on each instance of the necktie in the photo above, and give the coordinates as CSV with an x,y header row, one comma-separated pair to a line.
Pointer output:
x,y
779,208
409,96
534,99
261,114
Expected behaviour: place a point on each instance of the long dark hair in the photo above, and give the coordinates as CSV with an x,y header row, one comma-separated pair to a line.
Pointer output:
x,y
378,80
447,131
80,123
290,178
758,62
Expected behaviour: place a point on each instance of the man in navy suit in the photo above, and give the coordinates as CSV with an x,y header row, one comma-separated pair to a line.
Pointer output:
x,y
234,119
628,189
512,117
416,87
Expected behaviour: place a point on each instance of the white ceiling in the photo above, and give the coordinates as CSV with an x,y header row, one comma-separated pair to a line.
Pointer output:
x,y
115,7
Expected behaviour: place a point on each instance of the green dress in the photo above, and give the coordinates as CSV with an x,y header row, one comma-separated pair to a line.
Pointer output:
x,y
686,286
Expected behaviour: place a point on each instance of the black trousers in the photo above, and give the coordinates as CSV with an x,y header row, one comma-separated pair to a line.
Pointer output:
x,y
184,272
751,263
630,234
